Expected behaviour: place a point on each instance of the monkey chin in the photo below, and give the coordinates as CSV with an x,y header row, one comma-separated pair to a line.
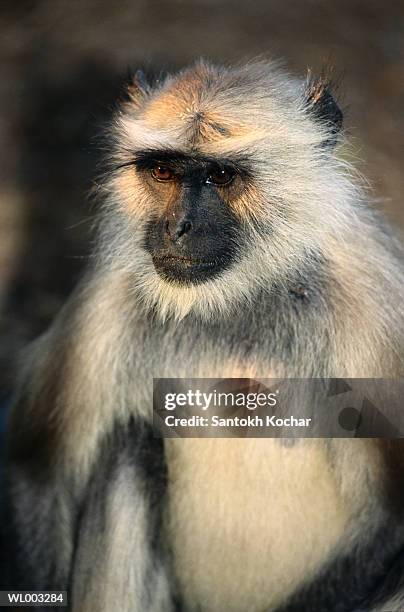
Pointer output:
x,y
188,271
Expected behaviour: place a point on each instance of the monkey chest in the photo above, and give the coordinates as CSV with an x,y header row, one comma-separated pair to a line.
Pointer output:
x,y
249,520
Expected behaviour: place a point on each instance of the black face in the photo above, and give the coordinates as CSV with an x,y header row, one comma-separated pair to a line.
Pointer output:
x,y
196,237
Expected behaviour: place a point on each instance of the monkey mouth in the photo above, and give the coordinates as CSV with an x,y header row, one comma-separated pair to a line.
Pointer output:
x,y
186,261
190,270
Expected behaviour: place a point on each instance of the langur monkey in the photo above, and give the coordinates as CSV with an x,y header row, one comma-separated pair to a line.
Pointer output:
x,y
235,239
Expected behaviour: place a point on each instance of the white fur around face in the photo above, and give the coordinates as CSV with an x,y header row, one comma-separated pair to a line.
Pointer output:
x,y
302,196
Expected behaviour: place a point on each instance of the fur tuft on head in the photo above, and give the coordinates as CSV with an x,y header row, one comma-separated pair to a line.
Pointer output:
x,y
322,105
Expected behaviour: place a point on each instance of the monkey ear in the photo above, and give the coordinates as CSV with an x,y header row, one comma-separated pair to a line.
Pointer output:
x,y
322,106
138,88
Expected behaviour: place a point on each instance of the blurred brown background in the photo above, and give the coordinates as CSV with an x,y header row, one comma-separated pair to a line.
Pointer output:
x,y
63,65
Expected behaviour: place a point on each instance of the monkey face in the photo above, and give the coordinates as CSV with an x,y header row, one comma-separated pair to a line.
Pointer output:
x,y
196,236
222,180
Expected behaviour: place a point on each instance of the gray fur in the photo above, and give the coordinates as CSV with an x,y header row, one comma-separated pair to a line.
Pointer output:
x,y
318,292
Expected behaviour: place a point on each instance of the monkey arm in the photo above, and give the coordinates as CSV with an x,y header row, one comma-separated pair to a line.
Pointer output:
x,y
120,554
94,532
39,510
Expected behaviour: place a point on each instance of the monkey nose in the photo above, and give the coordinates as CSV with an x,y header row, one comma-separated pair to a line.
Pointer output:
x,y
177,230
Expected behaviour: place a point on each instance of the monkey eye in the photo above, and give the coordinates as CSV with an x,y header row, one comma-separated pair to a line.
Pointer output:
x,y
162,173
221,176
